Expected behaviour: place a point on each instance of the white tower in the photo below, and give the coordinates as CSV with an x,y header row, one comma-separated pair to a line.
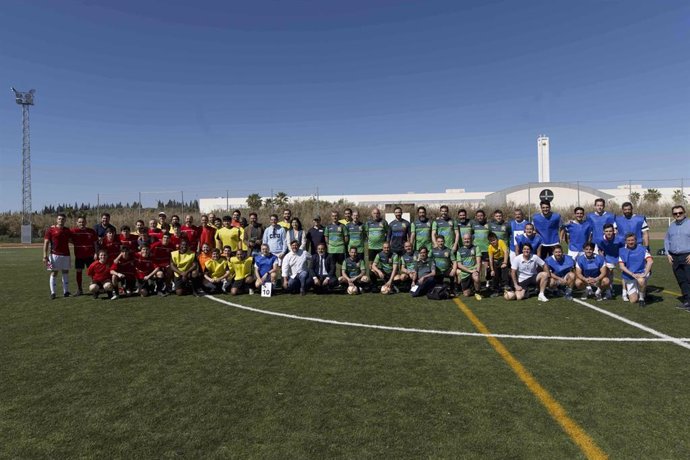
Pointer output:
x,y
543,158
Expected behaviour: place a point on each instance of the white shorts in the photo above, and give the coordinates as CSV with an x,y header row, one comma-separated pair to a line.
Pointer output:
x,y
59,262
611,266
632,287
280,261
575,254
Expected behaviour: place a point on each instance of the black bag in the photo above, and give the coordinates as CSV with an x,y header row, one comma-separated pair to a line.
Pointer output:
x,y
661,252
438,293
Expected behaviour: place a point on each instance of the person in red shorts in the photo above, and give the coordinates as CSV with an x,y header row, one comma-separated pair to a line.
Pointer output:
x,y
192,232
111,244
99,271
124,273
146,271
56,254
85,242
160,253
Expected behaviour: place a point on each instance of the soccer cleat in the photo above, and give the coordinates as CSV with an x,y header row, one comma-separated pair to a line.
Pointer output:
x,y
495,294
588,292
79,293
115,297
568,296
683,306
251,291
395,289
625,296
608,295
598,295
542,298
52,296
66,294
478,296
95,296
642,303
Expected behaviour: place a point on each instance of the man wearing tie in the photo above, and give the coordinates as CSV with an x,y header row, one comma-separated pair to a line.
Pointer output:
x,y
323,270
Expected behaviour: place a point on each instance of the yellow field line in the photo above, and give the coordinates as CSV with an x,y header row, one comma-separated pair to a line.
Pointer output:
x,y
572,429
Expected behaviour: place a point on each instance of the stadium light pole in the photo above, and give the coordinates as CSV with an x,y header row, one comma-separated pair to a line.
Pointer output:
x,y
25,99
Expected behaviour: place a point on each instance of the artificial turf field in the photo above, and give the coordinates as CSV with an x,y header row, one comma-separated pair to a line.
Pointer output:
x,y
193,377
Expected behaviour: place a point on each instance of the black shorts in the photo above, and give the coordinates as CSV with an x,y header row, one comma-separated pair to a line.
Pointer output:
x,y
466,283
529,282
338,257
485,256
372,254
80,264
238,284
180,284
128,283
145,284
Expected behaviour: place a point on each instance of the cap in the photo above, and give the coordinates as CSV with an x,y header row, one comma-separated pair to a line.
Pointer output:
x,y
317,218
162,214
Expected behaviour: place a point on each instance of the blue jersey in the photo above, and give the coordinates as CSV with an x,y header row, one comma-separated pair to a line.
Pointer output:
x,y
548,228
265,263
636,225
533,242
561,267
398,233
515,230
591,268
610,248
634,260
598,222
578,234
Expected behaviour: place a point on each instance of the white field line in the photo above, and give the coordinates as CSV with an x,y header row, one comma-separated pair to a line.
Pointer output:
x,y
440,332
667,338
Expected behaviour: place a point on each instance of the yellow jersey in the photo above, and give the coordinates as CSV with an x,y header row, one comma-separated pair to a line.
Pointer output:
x,y
497,253
217,268
233,237
242,268
183,262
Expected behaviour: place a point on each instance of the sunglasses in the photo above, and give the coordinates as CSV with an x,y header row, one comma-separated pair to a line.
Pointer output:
x,y
678,213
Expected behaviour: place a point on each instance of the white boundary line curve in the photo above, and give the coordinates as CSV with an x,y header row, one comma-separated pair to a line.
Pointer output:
x,y
668,338
452,333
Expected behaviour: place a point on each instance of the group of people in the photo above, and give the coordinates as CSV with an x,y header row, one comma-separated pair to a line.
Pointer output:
x,y
470,256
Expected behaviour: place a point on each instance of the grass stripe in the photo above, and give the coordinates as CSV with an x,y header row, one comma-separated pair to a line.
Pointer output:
x,y
675,340
572,429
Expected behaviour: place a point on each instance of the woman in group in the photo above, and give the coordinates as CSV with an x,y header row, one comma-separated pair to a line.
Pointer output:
x,y
296,233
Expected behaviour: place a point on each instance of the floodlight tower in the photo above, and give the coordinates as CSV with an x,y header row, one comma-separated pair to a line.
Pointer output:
x,y
25,100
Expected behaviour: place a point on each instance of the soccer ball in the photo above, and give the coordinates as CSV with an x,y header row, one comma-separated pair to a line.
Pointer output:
x,y
385,289
352,290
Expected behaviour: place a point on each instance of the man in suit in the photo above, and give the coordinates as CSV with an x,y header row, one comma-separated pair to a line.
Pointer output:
x,y
323,270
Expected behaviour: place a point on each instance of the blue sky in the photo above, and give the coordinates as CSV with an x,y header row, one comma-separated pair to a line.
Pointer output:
x,y
352,97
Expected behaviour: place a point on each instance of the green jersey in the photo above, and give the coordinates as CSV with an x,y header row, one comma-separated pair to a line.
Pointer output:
x,y
500,229
386,262
353,268
481,235
335,235
355,231
446,229
467,257
408,260
443,258
422,234
377,231
465,228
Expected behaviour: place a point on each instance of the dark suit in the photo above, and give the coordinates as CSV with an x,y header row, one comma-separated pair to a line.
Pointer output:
x,y
323,271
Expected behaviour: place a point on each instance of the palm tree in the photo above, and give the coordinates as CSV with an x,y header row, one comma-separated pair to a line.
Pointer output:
x,y
281,199
634,198
679,197
254,201
652,195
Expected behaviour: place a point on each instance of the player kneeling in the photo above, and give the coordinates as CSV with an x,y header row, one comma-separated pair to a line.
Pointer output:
x,y
385,269
124,273
99,271
562,275
184,266
145,271
591,273
217,273
241,266
354,273
526,274
636,266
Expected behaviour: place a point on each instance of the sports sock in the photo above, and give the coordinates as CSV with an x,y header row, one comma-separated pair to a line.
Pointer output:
x,y
79,279
52,282
65,282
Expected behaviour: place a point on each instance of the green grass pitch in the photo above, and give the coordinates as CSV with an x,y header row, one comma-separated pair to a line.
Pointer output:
x,y
191,378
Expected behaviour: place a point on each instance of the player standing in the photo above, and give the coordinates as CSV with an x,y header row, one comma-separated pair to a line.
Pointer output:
x,y
85,241
420,231
56,256
548,225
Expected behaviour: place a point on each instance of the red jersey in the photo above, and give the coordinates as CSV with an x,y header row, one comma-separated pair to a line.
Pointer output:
x,y
161,253
83,240
131,242
59,240
98,272
126,267
192,233
207,235
144,266
112,248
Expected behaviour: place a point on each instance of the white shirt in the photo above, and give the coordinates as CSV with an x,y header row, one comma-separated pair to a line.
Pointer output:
x,y
295,263
526,268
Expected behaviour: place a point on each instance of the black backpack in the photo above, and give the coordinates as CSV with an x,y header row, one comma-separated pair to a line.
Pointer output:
x,y
438,293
